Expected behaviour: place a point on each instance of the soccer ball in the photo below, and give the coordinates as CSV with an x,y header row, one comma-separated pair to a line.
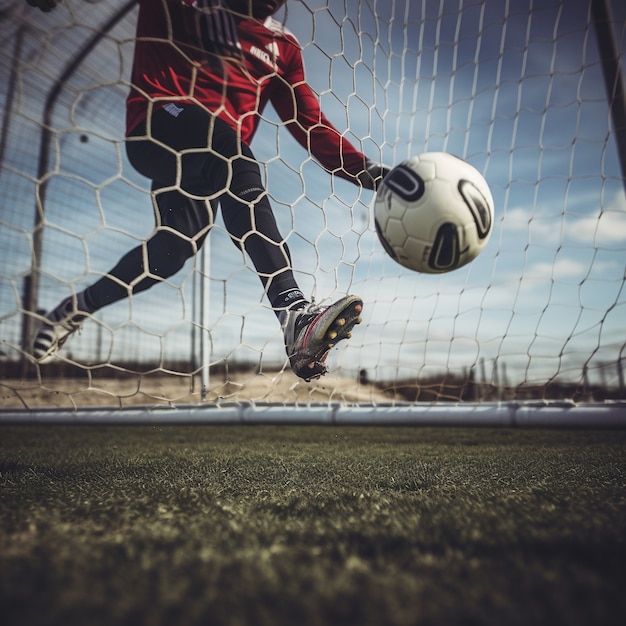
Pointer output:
x,y
433,213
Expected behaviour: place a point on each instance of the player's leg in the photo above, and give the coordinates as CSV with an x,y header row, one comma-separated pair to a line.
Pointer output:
x,y
223,169
310,331
182,223
252,226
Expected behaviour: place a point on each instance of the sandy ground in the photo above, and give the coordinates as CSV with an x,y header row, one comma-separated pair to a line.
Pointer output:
x,y
162,389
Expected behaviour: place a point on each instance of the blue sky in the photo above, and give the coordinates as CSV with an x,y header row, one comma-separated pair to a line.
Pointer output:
x,y
525,104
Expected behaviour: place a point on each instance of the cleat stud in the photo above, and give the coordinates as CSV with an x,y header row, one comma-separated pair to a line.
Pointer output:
x,y
332,335
358,320
340,322
348,335
358,308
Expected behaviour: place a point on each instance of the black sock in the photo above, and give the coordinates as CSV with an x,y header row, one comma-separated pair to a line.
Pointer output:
x,y
290,299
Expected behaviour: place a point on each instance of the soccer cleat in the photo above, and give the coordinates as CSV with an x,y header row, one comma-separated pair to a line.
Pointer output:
x,y
311,332
56,328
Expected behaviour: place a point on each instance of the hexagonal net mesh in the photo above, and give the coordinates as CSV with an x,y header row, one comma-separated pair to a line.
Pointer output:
x,y
516,89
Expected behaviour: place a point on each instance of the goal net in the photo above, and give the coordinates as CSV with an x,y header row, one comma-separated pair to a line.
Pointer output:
x,y
516,88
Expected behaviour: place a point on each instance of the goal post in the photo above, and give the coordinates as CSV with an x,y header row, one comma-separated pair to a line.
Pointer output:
x,y
531,94
610,59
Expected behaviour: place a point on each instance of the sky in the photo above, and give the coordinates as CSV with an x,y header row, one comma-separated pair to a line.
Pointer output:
x,y
515,88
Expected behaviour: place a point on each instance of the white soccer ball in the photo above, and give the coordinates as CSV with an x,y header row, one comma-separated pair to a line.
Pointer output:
x,y
434,213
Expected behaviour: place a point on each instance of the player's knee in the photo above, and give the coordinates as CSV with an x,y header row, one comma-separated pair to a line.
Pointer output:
x,y
185,215
252,194
168,251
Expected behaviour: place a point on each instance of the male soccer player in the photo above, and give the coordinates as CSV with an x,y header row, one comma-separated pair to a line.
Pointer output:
x,y
203,72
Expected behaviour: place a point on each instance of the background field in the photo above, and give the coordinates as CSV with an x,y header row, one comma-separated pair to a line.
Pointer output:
x,y
311,526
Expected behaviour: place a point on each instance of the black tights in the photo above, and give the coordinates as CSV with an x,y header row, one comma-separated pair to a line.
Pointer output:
x,y
197,164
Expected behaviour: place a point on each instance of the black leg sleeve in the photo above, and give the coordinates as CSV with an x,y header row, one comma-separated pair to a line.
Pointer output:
x,y
205,159
182,226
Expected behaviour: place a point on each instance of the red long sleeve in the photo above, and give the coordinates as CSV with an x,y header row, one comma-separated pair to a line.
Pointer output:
x,y
170,66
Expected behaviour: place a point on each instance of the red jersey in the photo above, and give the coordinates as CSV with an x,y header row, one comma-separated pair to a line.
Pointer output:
x,y
170,65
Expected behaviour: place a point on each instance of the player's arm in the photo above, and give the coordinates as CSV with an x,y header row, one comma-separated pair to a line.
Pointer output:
x,y
298,106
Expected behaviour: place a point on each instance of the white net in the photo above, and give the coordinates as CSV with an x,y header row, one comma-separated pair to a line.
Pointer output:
x,y
515,88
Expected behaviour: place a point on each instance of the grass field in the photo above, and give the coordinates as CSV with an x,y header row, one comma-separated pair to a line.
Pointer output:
x,y
272,526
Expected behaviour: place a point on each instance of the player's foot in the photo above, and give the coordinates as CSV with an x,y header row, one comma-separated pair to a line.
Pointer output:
x,y
311,332
56,328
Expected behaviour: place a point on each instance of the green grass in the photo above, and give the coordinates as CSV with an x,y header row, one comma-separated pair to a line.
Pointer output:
x,y
302,526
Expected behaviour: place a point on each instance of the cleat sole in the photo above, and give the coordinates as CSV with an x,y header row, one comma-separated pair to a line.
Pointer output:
x,y
333,325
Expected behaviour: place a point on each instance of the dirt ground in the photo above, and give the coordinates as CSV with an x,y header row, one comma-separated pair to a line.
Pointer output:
x,y
170,390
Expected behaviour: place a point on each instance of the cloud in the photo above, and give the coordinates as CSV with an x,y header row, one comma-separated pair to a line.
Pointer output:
x,y
597,228
558,269
606,228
